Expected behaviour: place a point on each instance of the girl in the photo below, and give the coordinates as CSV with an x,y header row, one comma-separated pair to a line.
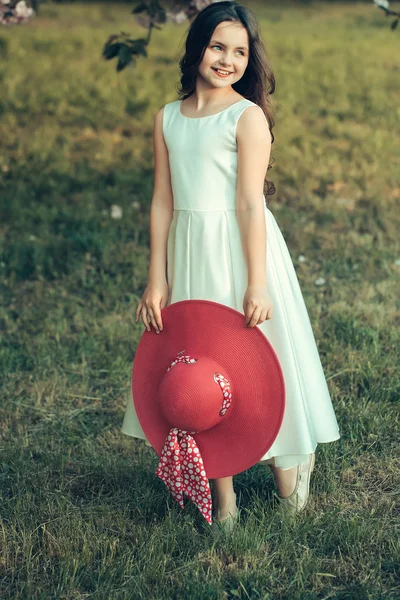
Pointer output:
x,y
213,238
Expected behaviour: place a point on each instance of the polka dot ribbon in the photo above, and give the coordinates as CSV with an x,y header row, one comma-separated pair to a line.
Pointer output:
x,y
181,465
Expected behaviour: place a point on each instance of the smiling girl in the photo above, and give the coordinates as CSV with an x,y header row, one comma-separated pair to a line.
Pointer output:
x,y
213,237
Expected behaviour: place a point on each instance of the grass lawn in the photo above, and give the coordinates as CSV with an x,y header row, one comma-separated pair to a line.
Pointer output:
x,y
82,514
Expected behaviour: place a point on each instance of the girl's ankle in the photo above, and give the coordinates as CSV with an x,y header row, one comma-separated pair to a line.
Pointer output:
x,y
225,501
226,507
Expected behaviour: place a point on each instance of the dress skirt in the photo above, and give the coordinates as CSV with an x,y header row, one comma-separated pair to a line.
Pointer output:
x,y
206,262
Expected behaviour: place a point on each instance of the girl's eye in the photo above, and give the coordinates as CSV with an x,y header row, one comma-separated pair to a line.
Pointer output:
x,y
218,46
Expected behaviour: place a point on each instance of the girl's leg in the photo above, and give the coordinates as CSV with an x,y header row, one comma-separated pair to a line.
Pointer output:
x,y
285,479
223,495
222,487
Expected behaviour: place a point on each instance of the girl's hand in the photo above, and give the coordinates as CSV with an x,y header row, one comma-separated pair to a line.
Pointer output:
x,y
257,305
154,299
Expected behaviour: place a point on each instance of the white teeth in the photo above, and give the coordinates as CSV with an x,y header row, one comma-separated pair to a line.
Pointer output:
x,y
222,72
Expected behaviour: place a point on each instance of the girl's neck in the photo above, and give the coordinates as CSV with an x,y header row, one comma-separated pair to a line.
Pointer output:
x,y
211,98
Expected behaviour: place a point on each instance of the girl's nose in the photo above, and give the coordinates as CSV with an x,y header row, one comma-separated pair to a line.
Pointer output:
x,y
226,61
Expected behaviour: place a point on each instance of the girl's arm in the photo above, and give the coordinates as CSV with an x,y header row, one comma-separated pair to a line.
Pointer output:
x,y
161,210
254,148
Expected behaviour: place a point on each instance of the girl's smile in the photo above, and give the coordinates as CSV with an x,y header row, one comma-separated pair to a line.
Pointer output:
x,y
221,72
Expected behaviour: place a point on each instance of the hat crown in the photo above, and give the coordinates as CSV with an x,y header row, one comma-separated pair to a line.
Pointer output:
x,y
195,393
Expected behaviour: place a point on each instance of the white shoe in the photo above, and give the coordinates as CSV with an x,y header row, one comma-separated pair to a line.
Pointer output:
x,y
298,499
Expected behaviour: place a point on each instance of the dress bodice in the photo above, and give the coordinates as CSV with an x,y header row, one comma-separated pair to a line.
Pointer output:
x,y
203,157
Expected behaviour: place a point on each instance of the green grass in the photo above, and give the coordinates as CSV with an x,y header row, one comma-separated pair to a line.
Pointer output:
x,y
82,513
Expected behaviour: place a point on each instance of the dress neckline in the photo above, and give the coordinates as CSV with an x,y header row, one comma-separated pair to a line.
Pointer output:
x,y
208,116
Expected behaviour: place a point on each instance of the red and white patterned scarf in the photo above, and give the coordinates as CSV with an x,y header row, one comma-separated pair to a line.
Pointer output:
x,y
181,465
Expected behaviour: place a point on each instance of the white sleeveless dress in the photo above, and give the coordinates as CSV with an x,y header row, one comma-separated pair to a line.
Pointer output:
x,y
206,261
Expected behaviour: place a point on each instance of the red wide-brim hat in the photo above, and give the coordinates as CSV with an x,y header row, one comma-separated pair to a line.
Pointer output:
x,y
202,328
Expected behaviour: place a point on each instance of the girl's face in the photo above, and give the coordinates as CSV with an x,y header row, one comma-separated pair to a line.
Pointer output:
x,y
228,50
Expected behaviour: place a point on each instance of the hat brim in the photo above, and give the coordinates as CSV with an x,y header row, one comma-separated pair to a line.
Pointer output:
x,y
206,328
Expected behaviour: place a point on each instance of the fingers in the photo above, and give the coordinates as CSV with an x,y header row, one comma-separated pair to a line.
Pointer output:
x,y
137,311
145,318
149,318
253,318
156,319
257,317
156,322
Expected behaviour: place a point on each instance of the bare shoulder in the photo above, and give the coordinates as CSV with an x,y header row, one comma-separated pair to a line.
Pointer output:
x,y
158,131
253,124
159,115
158,125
